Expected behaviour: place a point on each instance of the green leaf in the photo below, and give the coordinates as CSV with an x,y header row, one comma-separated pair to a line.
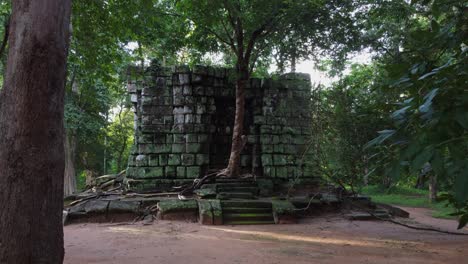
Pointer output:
x,y
461,184
424,156
383,135
426,106
399,114
462,118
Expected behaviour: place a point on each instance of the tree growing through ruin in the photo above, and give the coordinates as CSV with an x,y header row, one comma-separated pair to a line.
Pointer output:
x,y
31,129
251,30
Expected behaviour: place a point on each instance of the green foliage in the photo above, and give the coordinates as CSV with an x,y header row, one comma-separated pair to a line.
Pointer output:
x,y
255,30
429,72
346,117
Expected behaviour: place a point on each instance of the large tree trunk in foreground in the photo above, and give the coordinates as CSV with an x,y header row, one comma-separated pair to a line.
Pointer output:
x,y
238,140
31,129
70,170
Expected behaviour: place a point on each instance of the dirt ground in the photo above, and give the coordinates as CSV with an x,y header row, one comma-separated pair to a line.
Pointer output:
x,y
324,239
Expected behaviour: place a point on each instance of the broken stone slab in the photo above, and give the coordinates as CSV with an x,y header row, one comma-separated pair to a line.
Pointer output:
x,y
329,198
122,206
210,212
217,212
175,209
205,193
395,211
363,216
284,212
205,212
96,206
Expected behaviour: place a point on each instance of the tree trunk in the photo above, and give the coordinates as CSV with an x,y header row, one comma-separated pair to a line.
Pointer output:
x,y
31,129
433,187
70,171
293,63
238,140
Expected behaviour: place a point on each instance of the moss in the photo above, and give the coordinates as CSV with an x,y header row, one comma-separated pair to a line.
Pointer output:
x,y
205,193
174,205
281,207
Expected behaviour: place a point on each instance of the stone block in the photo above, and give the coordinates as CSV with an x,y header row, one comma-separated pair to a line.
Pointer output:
x,y
267,160
281,172
163,159
202,159
170,171
267,148
203,138
179,138
193,147
205,212
176,209
141,160
174,159
156,172
284,212
118,206
153,160
193,172
269,171
178,148
188,159
184,78
181,172
279,160
191,138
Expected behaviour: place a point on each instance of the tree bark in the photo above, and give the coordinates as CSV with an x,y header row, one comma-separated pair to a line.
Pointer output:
x,y
70,170
238,140
433,187
31,129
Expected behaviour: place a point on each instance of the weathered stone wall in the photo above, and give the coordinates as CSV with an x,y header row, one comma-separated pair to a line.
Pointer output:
x,y
184,119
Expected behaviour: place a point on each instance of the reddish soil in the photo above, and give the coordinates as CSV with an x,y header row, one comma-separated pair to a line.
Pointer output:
x,y
325,239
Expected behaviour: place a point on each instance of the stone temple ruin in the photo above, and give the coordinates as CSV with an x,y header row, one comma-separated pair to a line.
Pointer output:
x,y
184,119
183,126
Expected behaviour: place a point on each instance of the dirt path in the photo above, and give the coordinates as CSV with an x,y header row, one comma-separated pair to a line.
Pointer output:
x,y
327,239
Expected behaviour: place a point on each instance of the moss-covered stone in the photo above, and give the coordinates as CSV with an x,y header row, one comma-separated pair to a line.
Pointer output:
x,y
173,159
205,193
155,172
178,210
174,205
205,212
181,173
193,172
170,171
265,186
284,212
188,159
178,148
193,147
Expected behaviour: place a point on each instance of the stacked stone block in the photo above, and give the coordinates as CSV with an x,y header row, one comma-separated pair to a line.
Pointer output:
x,y
184,119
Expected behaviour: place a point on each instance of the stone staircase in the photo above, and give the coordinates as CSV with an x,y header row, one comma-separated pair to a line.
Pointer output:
x,y
236,189
245,212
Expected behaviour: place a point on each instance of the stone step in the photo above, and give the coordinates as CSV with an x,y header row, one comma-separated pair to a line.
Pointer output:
x,y
238,210
237,189
235,195
245,204
227,180
233,184
248,217
272,222
367,216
